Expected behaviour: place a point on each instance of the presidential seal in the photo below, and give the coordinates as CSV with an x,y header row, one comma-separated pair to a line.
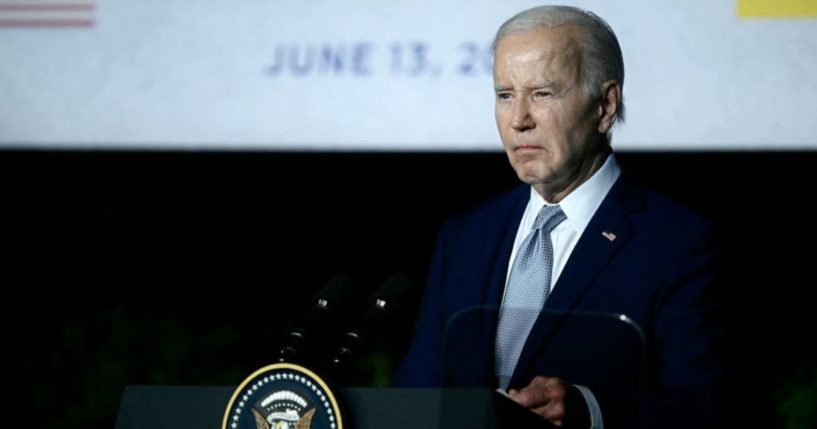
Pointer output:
x,y
282,396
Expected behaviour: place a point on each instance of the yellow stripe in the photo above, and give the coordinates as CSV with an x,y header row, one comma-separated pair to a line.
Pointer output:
x,y
777,8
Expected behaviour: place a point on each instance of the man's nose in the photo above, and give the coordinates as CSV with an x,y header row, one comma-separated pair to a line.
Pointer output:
x,y
521,119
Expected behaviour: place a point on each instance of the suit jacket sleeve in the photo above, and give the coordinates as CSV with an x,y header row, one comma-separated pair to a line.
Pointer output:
x,y
422,365
690,342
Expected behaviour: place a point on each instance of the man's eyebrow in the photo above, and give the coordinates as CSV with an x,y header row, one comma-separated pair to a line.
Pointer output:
x,y
548,84
539,85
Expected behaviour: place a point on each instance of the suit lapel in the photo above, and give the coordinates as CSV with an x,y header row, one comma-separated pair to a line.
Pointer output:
x,y
606,233
496,255
494,260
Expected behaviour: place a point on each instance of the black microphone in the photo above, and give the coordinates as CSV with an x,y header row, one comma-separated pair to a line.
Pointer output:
x,y
329,307
389,307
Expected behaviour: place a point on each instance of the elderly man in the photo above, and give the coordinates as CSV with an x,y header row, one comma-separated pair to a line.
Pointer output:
x,y
577,237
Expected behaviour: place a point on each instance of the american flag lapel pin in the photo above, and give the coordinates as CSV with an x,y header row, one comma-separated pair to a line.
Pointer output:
x,y
608,235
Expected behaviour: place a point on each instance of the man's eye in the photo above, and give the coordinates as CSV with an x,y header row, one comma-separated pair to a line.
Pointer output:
x,y
542,94
503,96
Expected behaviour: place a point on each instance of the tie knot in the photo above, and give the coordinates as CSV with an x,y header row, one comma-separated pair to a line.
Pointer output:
x,y
549,217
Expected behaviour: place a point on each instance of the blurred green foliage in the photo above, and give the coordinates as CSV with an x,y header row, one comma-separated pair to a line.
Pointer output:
x,y
796,395
82,366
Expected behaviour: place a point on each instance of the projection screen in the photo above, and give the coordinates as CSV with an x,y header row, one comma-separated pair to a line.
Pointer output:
x,y
383,75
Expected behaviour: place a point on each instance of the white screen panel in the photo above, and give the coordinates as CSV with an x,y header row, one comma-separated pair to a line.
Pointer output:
x,y
378,75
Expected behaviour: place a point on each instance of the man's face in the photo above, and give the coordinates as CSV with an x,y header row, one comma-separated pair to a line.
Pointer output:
x,y
548,124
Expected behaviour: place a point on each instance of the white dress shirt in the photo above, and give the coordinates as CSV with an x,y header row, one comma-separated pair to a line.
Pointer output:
x,y
579,207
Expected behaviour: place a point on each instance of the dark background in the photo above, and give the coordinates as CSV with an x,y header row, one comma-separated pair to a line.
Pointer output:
x,y
184,267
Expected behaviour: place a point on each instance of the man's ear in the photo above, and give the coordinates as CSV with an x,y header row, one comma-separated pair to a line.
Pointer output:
x,y
608,105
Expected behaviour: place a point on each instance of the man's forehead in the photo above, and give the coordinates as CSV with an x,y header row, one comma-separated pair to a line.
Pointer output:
x,y
559,40
536,59
556,46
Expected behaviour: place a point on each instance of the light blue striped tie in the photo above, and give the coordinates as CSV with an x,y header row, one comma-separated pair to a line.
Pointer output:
x,y
526,293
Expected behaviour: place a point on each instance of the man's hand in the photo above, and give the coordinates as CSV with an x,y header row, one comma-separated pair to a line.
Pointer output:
x,y
545,396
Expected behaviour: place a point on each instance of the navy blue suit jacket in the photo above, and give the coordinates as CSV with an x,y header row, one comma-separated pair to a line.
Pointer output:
x,y
661,270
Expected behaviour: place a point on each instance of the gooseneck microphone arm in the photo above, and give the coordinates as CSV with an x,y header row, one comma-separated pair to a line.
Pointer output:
x,y
389,306
339,297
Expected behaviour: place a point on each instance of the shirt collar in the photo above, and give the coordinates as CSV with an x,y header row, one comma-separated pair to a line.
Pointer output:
x,y
580,205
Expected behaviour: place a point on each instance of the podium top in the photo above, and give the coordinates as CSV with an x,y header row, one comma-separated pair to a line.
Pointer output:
x,y
202,407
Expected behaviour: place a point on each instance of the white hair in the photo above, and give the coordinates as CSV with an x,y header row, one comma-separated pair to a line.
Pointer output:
x,y
601,59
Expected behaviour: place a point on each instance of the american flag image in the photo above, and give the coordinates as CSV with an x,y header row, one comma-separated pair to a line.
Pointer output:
x,y
46,14
608,235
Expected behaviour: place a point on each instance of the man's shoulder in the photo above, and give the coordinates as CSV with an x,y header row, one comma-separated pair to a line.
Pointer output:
x,y
634,196
495,209
662,217
668,210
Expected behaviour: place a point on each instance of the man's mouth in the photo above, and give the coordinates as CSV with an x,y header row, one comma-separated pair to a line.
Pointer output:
x,y
527,148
